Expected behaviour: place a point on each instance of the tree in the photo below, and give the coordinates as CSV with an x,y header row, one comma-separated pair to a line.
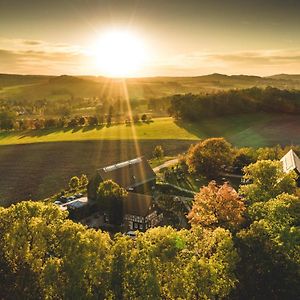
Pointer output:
x,y
209,156
7,120
243,157
84,180
110,198
158,152
136,118
217,206
144,118
266,181
47,256
270,250
82,121
74,183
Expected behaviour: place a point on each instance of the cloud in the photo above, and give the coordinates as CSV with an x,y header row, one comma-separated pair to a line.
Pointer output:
x,y
264,62
41,57
31,43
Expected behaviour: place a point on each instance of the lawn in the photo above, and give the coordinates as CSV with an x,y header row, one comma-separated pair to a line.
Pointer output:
x,y
255,130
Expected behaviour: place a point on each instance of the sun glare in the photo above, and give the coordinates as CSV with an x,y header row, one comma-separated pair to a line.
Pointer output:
x,y
119,54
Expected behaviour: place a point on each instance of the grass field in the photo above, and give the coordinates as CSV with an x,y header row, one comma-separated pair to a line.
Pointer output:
x,y
243,130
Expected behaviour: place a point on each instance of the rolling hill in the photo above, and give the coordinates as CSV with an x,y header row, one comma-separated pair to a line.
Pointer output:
x,y
48,87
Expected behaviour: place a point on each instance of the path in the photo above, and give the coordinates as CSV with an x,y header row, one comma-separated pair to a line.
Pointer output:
x,y
166,164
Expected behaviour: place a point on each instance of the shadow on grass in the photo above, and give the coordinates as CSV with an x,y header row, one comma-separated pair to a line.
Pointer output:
x,y
45,132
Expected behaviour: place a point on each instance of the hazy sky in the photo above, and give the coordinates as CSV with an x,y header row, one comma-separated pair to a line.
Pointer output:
x,y
182,37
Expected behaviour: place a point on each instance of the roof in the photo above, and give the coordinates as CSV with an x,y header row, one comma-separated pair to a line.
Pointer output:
x,y
129,173
290,162
138,205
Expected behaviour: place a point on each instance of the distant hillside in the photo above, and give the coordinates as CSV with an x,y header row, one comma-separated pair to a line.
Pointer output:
x,y
65,87
286,77
14,79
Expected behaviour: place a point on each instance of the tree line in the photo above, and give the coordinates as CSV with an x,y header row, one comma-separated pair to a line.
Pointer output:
x,y
192,107
10,121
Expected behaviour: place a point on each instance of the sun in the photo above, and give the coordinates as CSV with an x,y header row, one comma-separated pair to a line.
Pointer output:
x,y
119,53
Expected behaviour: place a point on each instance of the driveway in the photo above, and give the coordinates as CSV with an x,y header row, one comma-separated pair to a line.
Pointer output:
x,y
166,164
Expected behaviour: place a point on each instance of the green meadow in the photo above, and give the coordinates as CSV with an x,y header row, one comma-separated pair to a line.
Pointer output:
x,y
243,130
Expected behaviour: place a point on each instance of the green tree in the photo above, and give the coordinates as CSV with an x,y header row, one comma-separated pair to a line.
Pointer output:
x,y
158,152
47,256
266,181
243,157
84,180
74,183
209,156
270,250
144,118
7,120
110,198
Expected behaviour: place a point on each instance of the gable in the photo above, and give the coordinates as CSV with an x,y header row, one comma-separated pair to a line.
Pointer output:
x,y
290,162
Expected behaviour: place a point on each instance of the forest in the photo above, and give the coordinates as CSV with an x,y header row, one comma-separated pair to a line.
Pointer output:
x,y
272,100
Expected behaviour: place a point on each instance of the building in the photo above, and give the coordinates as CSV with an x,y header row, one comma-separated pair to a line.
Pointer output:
x,y
138,178
135,175
291,162
139,212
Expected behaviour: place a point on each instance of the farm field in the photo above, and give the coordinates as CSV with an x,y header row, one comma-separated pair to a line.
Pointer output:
x,y
39,170
36,164
256,130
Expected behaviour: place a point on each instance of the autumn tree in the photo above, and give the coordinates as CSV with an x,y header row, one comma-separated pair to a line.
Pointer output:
x,y
209,156
217,206
266,181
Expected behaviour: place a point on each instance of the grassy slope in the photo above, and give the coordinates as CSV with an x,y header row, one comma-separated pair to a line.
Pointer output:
x,y
62,87
243,130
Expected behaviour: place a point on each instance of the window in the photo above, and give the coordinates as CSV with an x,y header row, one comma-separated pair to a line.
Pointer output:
x,y
130,225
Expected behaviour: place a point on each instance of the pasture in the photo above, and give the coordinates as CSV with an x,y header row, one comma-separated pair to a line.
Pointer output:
x,y
255,130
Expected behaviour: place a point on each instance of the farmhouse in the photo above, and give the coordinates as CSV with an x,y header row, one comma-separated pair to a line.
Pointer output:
x,y
139,212
135,175
138,178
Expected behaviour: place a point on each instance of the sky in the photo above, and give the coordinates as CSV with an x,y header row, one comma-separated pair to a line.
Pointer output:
x,y
180,38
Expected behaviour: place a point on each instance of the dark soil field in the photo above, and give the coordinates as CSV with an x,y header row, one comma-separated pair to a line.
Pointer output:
x,y
36,171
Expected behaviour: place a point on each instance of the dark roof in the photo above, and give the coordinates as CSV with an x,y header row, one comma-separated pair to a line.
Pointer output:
x,y
129,173
138,205
291,162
